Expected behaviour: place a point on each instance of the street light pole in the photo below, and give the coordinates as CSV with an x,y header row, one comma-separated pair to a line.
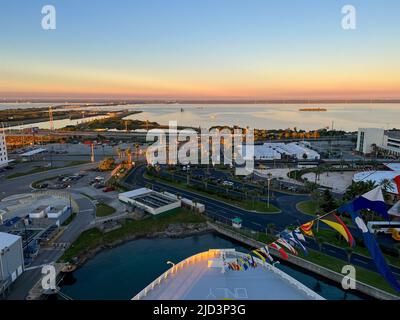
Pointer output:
x,y
269,183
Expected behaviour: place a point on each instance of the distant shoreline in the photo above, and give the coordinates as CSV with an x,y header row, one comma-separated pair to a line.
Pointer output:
x,y
113,102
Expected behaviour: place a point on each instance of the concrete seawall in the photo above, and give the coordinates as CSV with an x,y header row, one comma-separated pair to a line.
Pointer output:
x,y
324,272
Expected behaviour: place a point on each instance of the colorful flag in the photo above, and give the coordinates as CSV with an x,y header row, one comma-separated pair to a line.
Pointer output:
x,y
282,252
307,228
243,263
372,246
265,250
298,235
397,181
287,245
292,238
372,200
260,255
336,223
250,258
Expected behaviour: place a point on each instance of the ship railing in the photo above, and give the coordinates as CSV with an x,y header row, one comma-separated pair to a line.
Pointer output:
x,y
175,269
293,282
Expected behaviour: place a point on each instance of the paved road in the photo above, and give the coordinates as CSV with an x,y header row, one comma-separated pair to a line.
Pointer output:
x,y
86,214
22,184
224,211
28,279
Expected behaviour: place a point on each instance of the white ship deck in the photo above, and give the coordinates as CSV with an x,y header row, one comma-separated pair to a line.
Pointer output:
x,y
194,279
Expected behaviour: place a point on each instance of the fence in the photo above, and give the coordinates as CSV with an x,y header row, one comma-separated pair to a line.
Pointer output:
x,y
213,253
58,194
164,277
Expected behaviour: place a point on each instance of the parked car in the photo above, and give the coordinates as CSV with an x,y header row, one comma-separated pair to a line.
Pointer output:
x,y
227,183
98,185
108,189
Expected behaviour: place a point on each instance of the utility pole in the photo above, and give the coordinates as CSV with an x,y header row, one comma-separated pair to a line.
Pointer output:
x,y
92,152
51,119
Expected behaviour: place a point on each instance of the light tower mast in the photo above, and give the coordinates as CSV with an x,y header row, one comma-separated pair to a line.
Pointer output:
x,y
92,152
51,118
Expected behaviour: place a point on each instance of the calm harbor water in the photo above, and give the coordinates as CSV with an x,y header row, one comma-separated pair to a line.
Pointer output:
x,y
123,271
347,117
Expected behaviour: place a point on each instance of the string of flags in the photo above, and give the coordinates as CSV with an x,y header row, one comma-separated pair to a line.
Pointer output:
x,y
290,242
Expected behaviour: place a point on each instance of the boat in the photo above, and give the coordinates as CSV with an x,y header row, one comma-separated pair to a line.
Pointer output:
x,y
206,276
313,109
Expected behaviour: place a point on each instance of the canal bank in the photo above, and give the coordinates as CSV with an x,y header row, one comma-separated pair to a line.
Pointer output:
x,y
123,271
319,270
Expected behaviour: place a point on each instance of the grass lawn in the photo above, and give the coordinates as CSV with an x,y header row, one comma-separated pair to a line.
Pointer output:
x,y
93,238
308,207
327,261
103,210
331,237
363,275
258,206
37,183
34,170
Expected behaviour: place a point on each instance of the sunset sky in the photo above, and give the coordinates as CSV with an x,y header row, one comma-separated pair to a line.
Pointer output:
x,y
200,49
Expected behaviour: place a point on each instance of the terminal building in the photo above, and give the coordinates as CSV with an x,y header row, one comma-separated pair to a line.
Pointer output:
x,y
150,201
3,150
279,150
370,140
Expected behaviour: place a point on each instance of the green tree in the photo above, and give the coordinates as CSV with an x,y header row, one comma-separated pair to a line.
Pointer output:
x,y
271,227
107,164
358,188
328,203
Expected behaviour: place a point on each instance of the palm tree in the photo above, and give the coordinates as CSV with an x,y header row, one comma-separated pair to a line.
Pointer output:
x,y
387,185
270,228
128,155
137,148
119,152
358,188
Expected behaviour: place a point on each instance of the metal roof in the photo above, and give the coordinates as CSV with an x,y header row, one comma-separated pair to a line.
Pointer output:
x,y
33,152
7,240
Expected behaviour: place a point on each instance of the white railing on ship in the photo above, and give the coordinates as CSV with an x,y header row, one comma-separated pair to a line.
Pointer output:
x,y
214,253
286,277
164,277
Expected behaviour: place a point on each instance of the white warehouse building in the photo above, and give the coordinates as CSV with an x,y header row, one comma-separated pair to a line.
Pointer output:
x,y
3,150
277,150
150,201
11,259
